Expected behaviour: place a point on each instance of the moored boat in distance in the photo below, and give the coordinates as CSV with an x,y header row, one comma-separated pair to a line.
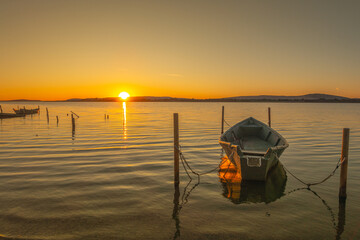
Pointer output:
x,y
26,111
10,115
253,147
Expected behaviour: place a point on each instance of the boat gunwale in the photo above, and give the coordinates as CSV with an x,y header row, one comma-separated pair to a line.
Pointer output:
x,y
274,148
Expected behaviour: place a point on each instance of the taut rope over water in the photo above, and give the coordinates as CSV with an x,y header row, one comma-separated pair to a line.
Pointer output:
x,y
316,183
186,164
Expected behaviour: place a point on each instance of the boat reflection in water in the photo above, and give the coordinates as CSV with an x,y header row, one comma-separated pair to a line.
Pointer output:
x,y
239,191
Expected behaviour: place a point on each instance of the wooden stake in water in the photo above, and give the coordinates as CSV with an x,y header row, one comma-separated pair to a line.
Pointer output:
x,y
176,149
341,218
47,114
73,122
1,109
269,116
57,120
344,165
222,120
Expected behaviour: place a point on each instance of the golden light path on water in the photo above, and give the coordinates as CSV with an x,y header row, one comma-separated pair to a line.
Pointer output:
x,y
124,120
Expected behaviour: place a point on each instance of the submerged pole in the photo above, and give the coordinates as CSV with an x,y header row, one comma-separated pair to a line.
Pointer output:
x,y
176,149
73,122
57,120
344,165
47,114
269,116
341,218
222,120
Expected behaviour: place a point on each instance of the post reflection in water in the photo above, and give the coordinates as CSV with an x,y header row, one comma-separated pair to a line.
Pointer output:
x,y
179,205
124,120
341,219
239,191
176,210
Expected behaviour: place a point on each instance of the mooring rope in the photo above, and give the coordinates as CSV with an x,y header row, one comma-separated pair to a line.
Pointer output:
x,y
227,123
339,163
322,200
186,164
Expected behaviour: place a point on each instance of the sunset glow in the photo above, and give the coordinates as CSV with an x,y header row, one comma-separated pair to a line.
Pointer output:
x,y
64,56
124,95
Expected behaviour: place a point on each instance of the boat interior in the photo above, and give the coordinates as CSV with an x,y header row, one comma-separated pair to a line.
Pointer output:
x,y
253,137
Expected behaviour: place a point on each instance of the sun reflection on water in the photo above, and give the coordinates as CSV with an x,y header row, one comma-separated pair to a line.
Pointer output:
x,y
124,120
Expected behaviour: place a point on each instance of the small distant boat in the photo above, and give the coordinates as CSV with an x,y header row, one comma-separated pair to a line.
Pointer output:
x,y
253,147
10,115
26,111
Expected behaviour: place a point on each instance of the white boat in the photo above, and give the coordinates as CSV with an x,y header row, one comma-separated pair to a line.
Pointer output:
x,y
253,147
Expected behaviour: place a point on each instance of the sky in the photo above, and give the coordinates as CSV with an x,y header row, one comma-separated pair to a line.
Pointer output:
x,y
60,49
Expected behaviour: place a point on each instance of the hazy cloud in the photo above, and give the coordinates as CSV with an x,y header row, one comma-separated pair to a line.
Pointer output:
x,y
174,75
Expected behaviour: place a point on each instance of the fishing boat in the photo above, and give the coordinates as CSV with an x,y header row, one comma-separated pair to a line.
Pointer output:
x,y
253,147
26,111
10,115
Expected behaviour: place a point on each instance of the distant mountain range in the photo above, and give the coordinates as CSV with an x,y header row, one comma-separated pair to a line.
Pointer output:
x,y
314,97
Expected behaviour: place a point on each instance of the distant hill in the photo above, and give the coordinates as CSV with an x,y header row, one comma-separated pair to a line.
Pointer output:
x,y
24,100
313,96
108,99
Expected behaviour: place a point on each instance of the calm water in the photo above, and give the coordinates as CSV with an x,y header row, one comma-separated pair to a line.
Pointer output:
x,y
112,179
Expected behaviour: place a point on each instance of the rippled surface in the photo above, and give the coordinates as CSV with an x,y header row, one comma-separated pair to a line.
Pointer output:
x,y
112,179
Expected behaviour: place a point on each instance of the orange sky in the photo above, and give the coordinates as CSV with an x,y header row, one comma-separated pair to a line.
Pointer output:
x,y
55,50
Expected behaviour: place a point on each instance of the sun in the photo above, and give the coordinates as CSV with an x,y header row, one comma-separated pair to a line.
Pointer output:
x,y
124,95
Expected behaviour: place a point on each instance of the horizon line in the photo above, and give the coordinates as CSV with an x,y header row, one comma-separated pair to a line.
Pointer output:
x,y
187,98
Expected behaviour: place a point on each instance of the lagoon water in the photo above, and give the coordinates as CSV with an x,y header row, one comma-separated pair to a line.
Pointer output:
x,y
113,178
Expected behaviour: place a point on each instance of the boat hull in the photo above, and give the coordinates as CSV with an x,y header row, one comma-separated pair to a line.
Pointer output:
x,y
26,111
239,191
10,115
253,147
257,171
252,168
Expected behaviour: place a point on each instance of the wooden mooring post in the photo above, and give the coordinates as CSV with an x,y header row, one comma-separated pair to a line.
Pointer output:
x,y
73,122
47,114
269,116
344,165
57,120
176,149
176,209
222,120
